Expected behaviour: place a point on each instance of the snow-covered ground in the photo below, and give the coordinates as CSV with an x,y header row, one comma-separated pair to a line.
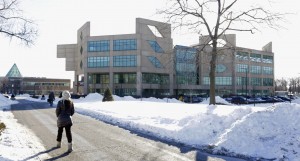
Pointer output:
x,y
16,141
270,131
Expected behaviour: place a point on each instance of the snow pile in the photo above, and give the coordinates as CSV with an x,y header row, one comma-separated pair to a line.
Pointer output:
x,y
219,100
296,101
272,133
5,102
92,97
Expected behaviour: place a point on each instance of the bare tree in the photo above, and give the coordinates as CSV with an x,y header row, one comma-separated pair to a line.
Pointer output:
x,y
215,18
281,84
14,25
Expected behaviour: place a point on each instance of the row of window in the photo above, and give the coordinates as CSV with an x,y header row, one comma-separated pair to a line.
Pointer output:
x,y
120,45
128,78
118,61
254,81
45,84
240,81
154,78
244,56
244,68
219,80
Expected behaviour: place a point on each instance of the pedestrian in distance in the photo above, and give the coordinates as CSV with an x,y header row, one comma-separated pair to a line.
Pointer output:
x,y
64,113
51,98
43,97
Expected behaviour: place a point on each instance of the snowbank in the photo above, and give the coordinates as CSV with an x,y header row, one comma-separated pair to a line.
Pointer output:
x,y
6,102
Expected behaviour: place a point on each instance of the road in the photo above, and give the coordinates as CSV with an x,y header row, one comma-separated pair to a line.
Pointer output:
x,y
95,140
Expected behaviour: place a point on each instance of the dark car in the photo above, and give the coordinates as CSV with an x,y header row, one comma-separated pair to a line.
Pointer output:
x,y
239,100
192,99
283,98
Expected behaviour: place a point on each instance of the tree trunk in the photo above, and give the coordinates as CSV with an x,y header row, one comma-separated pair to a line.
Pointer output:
x,y
212,74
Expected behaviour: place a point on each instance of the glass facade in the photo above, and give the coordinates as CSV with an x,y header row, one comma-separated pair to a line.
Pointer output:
x,y
243,56
155,46
255,57
267,82
186,79
242,68
124,44
256,81
242,80
267,59
97,78
268,70
98,46
155,78
98,62
255,69
125,78
155,61
219,81
124,61
186,65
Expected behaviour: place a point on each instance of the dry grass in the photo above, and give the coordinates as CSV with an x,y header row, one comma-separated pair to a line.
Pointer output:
x,y
2,127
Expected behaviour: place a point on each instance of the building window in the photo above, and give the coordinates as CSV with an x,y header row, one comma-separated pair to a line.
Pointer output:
x,y
242,68
98,46
126,44
98,78
98,62
186,68
267,59
125,61
155,61
255,69
242,80
256,81
186,79
186,65
154,78
268,70
255,57
155,46
125,78
267,82
219,81
244,56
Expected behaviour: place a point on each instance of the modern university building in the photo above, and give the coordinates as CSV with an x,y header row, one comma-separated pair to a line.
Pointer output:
x,y
147,64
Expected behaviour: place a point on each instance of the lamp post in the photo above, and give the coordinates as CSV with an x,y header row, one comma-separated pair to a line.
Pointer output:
x,y
246,82
246,72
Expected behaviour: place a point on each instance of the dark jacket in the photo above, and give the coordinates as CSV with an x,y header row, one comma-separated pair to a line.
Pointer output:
x,y
64,112
51,97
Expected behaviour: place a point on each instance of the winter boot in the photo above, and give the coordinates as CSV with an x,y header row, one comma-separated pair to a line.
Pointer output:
x,y
70,147
58,145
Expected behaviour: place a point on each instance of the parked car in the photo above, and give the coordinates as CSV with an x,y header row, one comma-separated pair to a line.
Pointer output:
x,y
192,99
5,95
284,98
239,100
256,100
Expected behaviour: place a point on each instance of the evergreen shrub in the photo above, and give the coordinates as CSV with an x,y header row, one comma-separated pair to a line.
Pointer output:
x,y
107,95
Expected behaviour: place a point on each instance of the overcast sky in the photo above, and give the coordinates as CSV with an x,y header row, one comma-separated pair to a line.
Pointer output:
x,y
58,21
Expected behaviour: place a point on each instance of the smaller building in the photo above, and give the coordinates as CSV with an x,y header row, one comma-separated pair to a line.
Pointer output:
x,y
15,83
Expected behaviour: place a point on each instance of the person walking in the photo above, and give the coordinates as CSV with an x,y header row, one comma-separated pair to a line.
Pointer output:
x,y
64,113
51,98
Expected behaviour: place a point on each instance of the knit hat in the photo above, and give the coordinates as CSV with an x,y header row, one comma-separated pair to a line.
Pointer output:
x,y
66,95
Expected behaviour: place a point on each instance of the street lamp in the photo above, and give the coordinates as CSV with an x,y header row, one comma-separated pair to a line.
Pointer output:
x,y
246,72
